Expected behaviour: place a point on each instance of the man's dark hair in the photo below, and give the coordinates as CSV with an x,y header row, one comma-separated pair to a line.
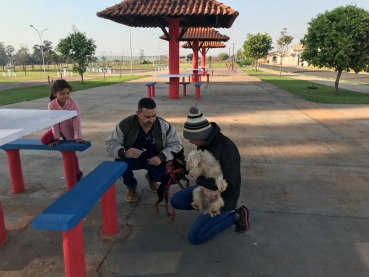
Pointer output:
x,y
146,103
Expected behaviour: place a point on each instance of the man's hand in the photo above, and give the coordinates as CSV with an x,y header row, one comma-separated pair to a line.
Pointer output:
x,y
154,161
54,142
80,140
133,153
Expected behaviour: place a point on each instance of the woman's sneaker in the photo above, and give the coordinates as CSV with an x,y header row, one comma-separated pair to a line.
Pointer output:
x,y
242,223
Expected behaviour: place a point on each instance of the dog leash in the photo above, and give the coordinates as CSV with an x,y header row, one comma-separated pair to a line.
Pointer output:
x,y
171,172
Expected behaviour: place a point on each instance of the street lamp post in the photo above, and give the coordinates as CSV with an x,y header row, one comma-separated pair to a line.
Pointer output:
x,y
42,50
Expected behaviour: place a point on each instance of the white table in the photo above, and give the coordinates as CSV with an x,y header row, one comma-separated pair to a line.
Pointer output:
x,y
170,76
16,123
173,75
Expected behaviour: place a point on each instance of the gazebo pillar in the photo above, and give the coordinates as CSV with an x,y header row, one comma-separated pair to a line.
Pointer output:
x,y
203,60
173,58
195,58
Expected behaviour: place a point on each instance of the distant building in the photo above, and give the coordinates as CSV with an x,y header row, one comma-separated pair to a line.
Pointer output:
x,y
291,57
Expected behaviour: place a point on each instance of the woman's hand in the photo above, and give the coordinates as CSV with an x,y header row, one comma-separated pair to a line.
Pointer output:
x,y
54,142
80,140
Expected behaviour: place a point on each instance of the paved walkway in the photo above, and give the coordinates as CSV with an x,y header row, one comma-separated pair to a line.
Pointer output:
x,y
342,84
305,178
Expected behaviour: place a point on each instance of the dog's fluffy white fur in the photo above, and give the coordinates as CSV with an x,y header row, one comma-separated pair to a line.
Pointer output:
x,y
203,163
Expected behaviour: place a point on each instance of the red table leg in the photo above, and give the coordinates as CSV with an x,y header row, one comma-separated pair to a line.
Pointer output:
x,y
15,169
197,93
2,227
69,168
74,252
149,92
184,90
153,91
109,212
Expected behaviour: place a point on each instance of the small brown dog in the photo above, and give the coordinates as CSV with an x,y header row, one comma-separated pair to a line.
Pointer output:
x,y
178,165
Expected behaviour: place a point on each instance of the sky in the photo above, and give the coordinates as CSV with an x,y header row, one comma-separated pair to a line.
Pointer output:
x,y
112,39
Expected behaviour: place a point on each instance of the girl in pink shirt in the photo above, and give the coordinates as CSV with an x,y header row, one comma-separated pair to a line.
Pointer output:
x,y
69,129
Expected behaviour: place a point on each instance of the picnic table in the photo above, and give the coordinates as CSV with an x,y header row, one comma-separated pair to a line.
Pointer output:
x,y
16,123
183,76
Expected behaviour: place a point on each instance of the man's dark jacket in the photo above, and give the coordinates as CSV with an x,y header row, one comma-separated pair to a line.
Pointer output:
x,y
226,152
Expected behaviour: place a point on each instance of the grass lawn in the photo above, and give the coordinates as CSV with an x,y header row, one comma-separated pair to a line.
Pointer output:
x,y
26,94
322,93
36,75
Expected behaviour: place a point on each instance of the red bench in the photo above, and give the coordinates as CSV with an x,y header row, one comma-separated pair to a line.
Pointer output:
x,y
150,89
66,213
197,86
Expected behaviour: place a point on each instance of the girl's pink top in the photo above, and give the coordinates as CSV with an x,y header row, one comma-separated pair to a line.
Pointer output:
x,y
71,128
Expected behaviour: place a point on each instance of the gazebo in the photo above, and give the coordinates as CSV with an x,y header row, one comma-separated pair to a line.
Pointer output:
x,y
177,16
197,37
205,46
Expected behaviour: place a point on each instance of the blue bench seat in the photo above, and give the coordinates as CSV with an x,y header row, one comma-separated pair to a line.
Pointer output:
x,y
74,205
35,144
66,147
67,212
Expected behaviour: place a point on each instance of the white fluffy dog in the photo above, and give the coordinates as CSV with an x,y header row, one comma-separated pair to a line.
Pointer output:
x,y
203,163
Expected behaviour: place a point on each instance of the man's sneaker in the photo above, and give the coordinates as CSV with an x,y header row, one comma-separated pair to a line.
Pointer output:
x,y
153,186
131,195
242,223
79,176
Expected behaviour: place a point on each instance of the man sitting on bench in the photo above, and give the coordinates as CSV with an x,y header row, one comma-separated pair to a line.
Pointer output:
x,y
143,141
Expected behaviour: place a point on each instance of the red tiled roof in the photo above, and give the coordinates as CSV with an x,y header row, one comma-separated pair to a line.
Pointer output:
x,y
206,44
155,13
203,34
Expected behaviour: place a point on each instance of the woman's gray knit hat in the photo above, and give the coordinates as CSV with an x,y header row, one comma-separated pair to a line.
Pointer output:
x,y
196,127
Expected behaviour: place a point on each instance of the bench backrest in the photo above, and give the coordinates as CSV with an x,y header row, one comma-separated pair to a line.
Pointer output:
x,y
75,204
35,144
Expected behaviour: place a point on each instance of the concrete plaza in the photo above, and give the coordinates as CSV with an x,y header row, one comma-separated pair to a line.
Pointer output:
x,y
305,179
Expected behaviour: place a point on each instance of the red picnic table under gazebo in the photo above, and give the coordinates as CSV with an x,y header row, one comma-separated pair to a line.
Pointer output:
x,y
177,16
196,37
205,46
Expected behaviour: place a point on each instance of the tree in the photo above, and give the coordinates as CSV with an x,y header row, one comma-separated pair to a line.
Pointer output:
x,y
37,55
76,46
48,52
338,39
256,47
239,55
3,56
282,47
22,57
189,57
9,50
223,56
142,56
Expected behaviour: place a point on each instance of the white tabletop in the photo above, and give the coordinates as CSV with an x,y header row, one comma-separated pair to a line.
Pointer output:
x,y
16,123
196,68
172,75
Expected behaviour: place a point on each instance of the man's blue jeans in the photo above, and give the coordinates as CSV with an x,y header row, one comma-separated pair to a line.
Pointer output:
x,y
156,173
205,227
